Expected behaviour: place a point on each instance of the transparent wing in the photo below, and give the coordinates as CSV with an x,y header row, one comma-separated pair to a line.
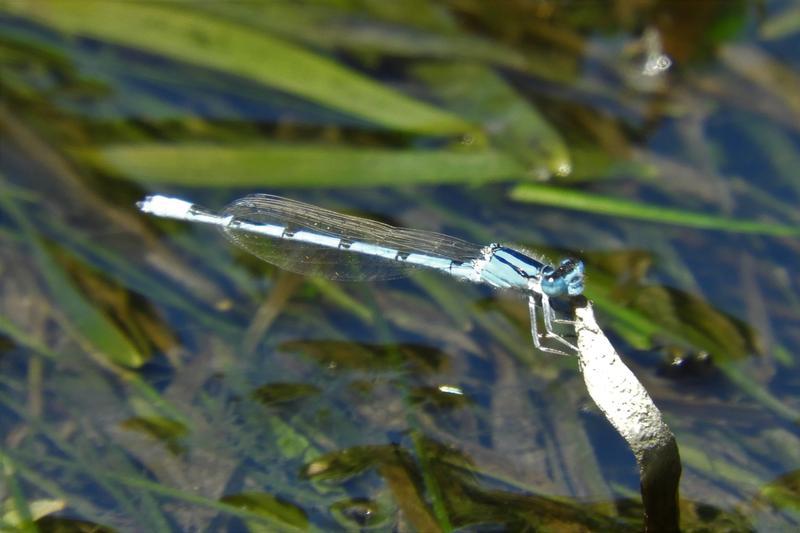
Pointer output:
x,y
335,263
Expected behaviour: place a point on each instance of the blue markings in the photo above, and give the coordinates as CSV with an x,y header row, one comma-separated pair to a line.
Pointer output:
x,y
310,240
509,268
506,270
566,280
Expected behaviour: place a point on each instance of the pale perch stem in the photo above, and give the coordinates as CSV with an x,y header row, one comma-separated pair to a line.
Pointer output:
x,y
626,404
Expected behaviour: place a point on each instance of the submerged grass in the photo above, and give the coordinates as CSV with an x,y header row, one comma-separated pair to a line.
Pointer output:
x,y
175,30
621,208
152,378
90,326
270,165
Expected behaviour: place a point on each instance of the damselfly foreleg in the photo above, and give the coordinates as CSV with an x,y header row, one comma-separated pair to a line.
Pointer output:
x,y
548,334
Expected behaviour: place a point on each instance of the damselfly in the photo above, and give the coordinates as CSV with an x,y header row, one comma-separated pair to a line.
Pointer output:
x,y
306,239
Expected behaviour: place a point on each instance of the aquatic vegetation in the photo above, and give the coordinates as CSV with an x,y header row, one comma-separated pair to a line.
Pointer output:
x,y
152,377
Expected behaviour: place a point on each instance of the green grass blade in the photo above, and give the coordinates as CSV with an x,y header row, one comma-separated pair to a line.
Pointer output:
x,y
606,205
19,513
22,458
513,124
138,279
781,24
204,165
15,333
284,515
184,35
91,327
334,27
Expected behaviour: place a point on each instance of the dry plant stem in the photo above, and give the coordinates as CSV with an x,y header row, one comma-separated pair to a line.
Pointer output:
x,y
626,404
287,284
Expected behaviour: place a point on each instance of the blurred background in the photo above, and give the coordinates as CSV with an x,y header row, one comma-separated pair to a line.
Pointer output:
x,y
155,378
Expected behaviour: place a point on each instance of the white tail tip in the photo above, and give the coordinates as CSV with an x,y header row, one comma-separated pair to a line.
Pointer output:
x,y
164,206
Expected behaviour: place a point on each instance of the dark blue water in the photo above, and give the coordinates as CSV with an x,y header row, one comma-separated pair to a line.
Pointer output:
x,y
254,398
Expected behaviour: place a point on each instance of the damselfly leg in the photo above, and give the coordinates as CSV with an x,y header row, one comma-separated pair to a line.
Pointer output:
x,y
548,316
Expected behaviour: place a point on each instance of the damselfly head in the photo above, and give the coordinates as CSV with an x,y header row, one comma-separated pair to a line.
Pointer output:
x,y
566,280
